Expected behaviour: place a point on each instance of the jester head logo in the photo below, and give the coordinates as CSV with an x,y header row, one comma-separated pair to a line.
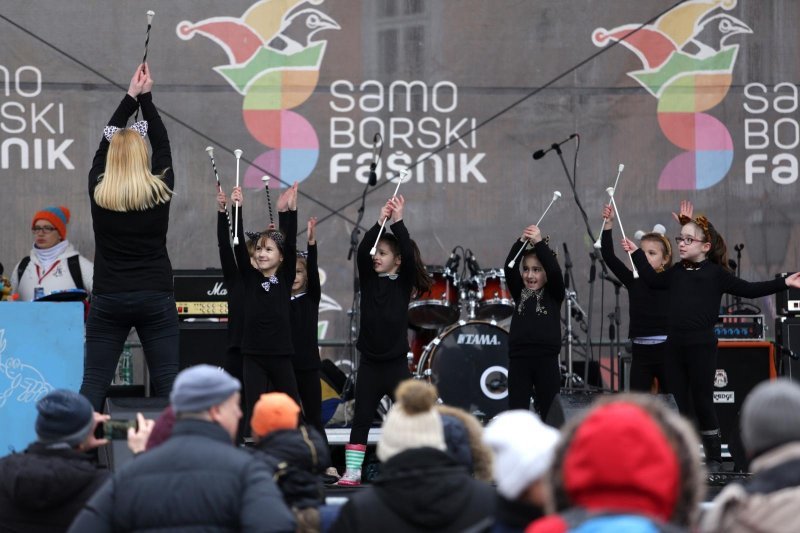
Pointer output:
x,y
687,62
274,54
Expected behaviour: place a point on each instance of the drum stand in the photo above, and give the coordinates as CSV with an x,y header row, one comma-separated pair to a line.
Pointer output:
x,y
354,314
574,307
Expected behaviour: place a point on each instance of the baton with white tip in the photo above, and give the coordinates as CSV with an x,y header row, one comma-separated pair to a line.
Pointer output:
x,y
238,154
610,192
403,174
556,196
598,244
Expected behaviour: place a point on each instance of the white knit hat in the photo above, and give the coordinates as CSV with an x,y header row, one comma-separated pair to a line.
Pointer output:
x,y
523,449
412,422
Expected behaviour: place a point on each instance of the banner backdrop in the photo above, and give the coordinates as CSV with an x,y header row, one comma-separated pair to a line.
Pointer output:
x,y
701,103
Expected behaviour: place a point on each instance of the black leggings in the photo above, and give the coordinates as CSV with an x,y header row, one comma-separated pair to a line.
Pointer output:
x,y
310,391
690,368
262,370
539,375
374,380
648,363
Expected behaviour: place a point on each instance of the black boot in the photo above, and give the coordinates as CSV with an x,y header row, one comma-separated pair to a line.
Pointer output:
x,y
712,449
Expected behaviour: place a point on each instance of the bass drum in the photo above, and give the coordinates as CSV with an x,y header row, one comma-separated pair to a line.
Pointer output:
x,y
468,363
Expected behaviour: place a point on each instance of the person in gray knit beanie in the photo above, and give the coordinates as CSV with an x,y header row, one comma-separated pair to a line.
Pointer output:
x,y
771,416
769,500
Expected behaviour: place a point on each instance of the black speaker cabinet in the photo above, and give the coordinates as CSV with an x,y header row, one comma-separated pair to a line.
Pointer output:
x,y
569,404
787,337
116,453
203,343
741,365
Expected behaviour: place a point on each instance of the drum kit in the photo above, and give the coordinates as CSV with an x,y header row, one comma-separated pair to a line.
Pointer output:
x,y
456,341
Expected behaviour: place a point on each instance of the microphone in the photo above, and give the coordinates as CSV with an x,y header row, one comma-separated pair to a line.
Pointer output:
x,y
739,247
472,263
452,261
567,266
538,154
373,177
787,351
732,264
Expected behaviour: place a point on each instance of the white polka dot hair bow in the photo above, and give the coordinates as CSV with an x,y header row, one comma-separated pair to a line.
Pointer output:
x,y
139,127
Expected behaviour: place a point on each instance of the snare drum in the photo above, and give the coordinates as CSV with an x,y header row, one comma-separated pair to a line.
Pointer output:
x,y
468,363
439,306
495,301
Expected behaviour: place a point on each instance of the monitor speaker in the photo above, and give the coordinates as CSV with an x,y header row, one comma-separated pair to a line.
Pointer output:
x,y
741,365
116,453
569,404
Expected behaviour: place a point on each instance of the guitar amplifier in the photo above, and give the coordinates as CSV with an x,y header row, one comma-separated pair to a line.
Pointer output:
x,y
200,293
740,328
787,303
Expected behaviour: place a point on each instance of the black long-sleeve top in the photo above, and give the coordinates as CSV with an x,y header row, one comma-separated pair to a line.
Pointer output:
x,y
305,317
131,247
267,327
535,333
233,282
383,334
696,294
648,312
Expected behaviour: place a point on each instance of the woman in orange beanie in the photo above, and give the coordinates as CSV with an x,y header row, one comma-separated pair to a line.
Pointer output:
x,y
53,264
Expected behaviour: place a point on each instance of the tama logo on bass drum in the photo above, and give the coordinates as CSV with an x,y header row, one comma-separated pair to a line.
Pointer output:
x,y
483,340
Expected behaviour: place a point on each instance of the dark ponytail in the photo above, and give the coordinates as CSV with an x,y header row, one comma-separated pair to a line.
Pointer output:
x,y
422,280
719,250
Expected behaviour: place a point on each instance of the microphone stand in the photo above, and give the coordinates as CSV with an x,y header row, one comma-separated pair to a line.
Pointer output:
x,y
590,349
614,326
355,308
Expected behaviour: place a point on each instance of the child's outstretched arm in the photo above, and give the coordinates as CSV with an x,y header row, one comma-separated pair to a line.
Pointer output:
x,y
240,250
314,289
555,278
653,279
363,257
226,258
407,270
622,272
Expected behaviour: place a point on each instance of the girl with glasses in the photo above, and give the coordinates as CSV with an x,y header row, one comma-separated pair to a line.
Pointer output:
x,y
696,286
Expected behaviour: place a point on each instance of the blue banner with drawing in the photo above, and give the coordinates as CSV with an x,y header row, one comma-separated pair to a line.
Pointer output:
x,y
41,349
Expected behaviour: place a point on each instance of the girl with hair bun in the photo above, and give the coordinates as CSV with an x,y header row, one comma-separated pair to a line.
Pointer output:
x,y
648,307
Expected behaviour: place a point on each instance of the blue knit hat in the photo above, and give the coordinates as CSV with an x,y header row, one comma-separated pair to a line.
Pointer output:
x,y
64,417
200,387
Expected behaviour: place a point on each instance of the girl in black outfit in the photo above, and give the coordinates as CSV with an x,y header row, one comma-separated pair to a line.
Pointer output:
x,y
306,295
535,335
386,288
647,307
130,197
267,348
696,286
